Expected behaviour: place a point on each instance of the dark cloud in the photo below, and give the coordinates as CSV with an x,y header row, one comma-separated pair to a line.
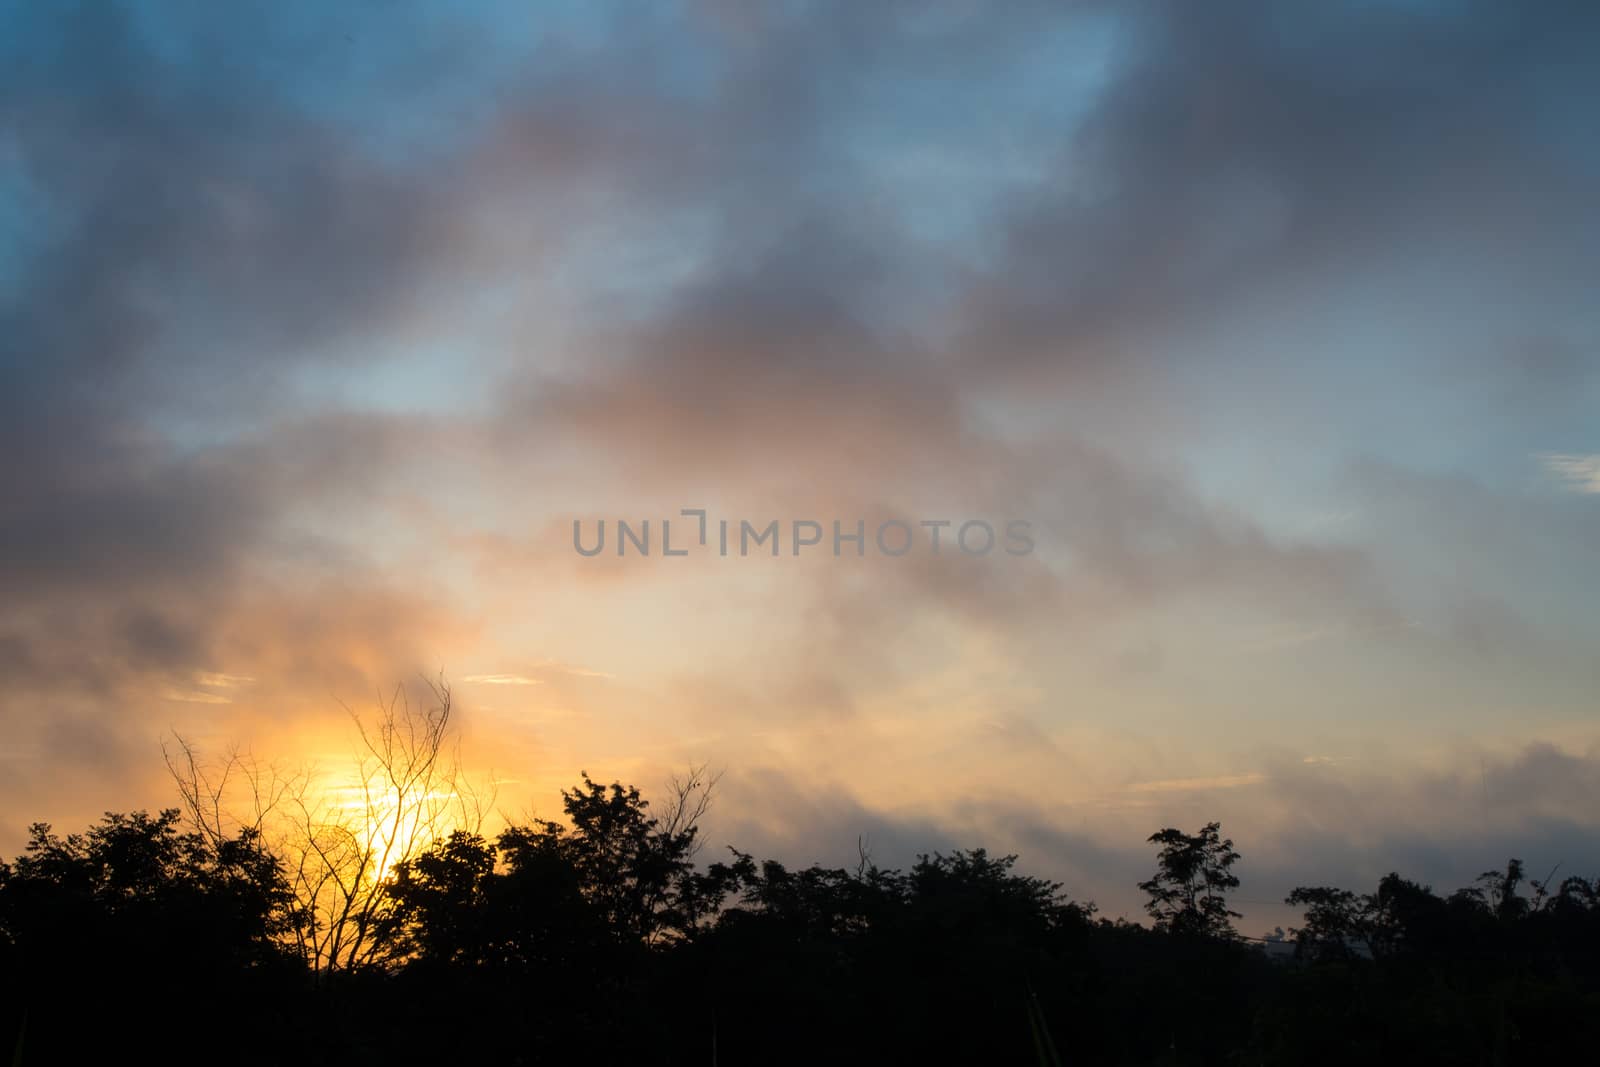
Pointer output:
x,y
767,811
1238,148
193,230
1306,824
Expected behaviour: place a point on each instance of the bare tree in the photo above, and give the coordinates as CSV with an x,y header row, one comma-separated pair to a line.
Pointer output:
x,y
206,791
342,840
864,864
688,799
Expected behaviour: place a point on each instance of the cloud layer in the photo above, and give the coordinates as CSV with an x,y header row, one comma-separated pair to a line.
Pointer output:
x,y
320,329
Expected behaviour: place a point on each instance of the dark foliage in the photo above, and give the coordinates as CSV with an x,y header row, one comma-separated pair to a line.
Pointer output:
x,y
1188,895
137,933
601,940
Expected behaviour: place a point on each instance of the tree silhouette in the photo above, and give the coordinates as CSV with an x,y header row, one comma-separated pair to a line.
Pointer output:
x,y
341,839
1338,923
634,869
118,919
440,901
599,938
1188,894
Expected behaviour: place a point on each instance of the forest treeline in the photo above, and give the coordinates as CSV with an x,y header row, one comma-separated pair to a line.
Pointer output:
x,y
604,938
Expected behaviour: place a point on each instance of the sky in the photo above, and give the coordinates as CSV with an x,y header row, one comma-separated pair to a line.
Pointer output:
x,y
321,326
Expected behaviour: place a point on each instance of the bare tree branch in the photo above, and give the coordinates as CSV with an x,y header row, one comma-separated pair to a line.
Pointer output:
x,y
342,840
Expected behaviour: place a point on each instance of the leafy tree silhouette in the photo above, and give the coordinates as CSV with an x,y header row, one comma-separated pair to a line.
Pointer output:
x,y
1338,926
1188,894
123,916
601,939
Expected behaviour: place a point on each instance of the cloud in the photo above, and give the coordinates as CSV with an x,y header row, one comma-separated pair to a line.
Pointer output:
x,y
319,333
1198,785
1576,473
222,681
194,697
1303,824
